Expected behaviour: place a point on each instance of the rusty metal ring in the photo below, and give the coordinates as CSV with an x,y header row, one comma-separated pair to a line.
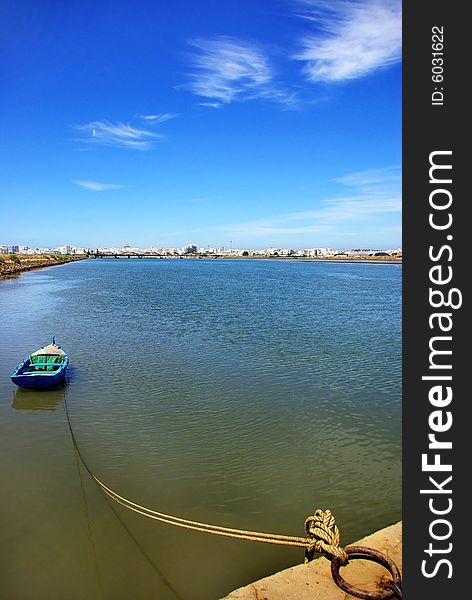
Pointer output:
x,y
362,552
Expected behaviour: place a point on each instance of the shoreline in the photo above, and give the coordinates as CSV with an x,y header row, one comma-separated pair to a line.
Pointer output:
x,y
338,259
370,260
344,259
11,268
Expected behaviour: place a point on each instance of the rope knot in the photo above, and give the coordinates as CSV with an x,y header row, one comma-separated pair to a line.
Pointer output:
x,y
323,534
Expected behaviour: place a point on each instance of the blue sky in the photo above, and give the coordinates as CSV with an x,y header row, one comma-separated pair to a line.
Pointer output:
x,y
267,123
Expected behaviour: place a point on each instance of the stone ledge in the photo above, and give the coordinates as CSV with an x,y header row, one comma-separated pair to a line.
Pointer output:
x,y
313,581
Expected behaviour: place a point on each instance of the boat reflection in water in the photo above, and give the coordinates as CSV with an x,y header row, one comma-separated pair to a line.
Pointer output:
x,y
50,399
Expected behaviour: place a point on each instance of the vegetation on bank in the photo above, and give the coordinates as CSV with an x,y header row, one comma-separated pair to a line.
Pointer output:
x,y
378,257
12,264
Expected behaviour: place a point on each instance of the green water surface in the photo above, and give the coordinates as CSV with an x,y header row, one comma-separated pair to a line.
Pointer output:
x,y
245,393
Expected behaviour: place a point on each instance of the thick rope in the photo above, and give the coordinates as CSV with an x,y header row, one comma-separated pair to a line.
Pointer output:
x,y
322,528
323,542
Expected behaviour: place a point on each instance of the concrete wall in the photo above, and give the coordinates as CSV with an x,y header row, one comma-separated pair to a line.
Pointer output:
x,y
313,581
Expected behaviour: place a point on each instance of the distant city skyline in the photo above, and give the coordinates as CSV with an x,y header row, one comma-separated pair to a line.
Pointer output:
x,y
268,124
186,248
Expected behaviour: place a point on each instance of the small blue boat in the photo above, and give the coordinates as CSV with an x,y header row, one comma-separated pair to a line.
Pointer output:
x,y
44,368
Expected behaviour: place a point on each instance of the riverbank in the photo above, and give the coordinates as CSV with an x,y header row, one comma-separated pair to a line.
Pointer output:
x,y
11,265
313,580
396,258
389,259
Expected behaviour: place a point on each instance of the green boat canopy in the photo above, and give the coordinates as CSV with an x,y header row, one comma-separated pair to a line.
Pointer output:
x,y
45,362
47,358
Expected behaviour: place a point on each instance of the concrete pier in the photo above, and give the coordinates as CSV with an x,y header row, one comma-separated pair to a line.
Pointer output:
x,y
313,580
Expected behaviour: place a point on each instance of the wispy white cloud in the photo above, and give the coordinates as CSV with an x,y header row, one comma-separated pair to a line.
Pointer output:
x,y
350,39
157,118
95,186
370,195
373,181
118,134
211,104
228,70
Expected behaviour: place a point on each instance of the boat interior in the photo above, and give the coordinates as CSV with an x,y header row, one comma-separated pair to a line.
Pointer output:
x,y
38,363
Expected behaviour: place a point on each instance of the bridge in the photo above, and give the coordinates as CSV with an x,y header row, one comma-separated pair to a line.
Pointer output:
x,y
141,255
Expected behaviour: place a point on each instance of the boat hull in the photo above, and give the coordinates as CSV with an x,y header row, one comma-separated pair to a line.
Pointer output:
x,y
39,380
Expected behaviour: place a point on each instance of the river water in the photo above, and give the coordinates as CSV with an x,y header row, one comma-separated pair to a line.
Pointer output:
x,y
244,393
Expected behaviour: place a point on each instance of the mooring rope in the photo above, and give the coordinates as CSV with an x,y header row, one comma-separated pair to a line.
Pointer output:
x,y
321,530
321,524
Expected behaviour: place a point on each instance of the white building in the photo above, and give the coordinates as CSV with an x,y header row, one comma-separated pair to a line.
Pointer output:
x,y
64,249
319,252
360,252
